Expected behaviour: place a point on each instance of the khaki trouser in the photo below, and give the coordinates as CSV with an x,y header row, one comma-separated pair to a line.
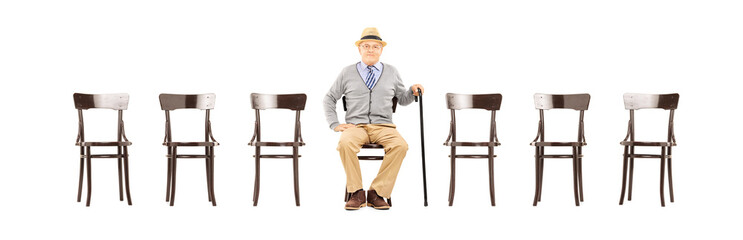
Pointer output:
x,y
395,149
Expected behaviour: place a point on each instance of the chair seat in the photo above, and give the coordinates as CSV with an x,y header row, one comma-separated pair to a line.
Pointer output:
x,y
558,144
561,156
473,156
105,156
276,144
372,145
649,144
471,144
103,144
648,156
188,156
190,144
277,156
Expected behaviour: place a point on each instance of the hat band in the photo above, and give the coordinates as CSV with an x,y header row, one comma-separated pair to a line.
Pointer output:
x,y
371,37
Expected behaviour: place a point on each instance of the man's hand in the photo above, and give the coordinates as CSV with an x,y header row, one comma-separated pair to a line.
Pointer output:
x,y
415,88
343,127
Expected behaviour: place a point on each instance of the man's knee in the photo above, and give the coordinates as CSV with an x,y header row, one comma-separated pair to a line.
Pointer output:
x,y
397,146
347,144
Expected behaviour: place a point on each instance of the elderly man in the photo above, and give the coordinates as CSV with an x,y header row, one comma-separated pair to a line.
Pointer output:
x,y
369,86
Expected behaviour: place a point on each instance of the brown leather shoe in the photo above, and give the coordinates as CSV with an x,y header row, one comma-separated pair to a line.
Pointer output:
x,y
356,201
375,201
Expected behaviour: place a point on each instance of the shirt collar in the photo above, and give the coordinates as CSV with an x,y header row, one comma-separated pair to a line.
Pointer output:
x,y
377,66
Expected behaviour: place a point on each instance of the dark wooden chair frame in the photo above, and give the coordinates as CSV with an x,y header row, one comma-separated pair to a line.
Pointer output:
x,y
635,101
347,195
490,102
170,102
118,102
578,102
294,102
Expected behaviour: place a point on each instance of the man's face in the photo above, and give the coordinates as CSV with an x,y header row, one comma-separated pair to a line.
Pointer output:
x,y
370,52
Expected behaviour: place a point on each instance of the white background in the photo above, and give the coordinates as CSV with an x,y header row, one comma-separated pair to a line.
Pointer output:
x,y
52,49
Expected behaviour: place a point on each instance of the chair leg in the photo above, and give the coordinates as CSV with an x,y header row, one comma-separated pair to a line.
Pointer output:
x,y
580,173
296,176
451,178
492,178
257,183
126,175
208,173
631,171
662,175
90,180
536,176
541,172
670,177
121,184
575,176
624,174
82,169
211,176
174,160
170,167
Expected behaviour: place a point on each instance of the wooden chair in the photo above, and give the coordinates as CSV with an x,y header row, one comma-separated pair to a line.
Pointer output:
x,y
118,102
578,102
636,101
170,102
490,102
295,102
370,146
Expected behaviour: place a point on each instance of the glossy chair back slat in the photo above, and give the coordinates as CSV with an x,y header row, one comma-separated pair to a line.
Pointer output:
x,y
479,101
117,101
280,101
568,101
187,101
636,101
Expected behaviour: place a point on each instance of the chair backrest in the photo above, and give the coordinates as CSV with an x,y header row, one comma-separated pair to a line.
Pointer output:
x,y
169,102
117,101
394,104
637,101
295,102
578,102
490,102
565,101
480,101
281,101
187,101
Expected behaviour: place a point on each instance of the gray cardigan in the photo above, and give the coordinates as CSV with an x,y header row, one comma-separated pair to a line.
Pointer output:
x,y
366,106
